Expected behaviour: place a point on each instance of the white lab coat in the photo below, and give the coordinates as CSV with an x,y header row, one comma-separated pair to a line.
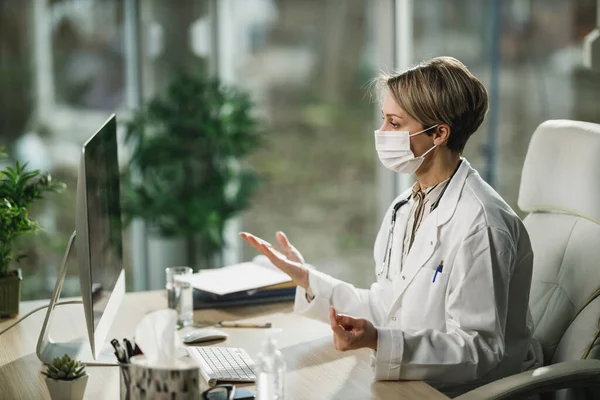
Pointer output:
x,y
472,325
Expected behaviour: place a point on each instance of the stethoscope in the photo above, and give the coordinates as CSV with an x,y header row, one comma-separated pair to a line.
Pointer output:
x,y
388,248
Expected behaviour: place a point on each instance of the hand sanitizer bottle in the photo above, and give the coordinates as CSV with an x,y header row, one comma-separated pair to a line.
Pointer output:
x,y
270,367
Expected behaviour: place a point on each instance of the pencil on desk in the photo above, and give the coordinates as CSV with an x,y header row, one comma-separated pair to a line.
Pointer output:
x,y
231,324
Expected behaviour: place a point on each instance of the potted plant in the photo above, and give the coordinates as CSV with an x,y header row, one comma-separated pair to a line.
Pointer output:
x,y
66,379
18,191
184,177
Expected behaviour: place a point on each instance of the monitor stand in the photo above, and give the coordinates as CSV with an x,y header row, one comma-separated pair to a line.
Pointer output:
x,y
79,349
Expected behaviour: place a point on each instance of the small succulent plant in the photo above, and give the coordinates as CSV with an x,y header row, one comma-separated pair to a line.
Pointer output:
x,y
65,369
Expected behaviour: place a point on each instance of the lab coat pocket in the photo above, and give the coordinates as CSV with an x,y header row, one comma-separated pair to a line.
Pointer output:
x,y
427,292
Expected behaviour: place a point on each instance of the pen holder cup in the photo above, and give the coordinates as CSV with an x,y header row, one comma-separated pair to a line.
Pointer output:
x,y
140,381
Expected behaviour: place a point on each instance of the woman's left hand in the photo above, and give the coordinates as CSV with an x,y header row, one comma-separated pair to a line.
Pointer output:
x,y
352,333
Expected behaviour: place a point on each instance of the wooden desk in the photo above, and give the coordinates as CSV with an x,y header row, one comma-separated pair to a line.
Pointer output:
x,y
315,369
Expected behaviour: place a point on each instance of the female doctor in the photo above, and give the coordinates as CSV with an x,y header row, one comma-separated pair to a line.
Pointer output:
x,y
453,261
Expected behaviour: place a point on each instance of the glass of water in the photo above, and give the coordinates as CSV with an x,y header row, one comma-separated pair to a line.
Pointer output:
x,y
179,294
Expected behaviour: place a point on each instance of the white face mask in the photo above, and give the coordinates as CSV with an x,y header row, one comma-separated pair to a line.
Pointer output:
x,y
393,149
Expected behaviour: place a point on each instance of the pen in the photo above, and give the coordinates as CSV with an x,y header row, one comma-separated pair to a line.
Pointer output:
x,y
438,270
231,324
136,349
118,351
129,348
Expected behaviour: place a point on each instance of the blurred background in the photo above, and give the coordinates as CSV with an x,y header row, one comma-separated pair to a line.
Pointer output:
x,y
66,65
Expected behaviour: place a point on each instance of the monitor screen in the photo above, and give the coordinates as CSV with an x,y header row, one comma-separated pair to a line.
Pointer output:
x,y
99,252
103,215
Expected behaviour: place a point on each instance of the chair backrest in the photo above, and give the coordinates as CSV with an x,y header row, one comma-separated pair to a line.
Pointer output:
x,y
560,188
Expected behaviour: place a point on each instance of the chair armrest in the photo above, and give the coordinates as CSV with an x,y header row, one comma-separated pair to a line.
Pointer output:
x,y
563,375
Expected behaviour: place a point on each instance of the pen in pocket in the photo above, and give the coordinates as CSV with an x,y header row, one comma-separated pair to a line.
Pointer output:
x,y
439,270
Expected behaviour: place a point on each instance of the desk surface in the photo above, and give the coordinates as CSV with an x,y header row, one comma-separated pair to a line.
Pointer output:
x,y
315,368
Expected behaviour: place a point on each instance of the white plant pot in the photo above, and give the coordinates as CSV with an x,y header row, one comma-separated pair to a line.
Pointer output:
x,y
67,390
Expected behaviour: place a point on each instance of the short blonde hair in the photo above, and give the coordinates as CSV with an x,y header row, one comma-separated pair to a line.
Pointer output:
x,y
440,91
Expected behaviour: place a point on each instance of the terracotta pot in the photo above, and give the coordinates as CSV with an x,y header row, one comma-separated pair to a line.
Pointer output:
x,y
67,390
10,294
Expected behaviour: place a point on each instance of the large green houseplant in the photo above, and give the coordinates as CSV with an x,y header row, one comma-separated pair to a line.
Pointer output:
x,y
185,177
19,189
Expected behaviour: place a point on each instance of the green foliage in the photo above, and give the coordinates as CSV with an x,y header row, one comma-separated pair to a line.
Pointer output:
x,y
184,178
65,369
18,191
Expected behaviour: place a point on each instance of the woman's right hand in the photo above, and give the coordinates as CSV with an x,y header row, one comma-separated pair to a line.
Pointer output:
x,y
289,260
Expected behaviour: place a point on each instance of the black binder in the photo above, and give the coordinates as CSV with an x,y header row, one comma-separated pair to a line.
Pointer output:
x,y
203,300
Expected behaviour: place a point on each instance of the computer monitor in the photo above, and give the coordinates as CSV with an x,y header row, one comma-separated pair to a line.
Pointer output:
x,y
99,244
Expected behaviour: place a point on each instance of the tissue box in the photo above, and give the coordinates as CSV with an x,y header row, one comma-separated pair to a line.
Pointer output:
x,y
179,381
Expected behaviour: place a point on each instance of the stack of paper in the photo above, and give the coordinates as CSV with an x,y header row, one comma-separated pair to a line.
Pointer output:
x,y
244,283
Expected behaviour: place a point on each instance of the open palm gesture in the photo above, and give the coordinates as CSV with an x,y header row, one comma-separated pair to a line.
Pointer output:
x,y
288,259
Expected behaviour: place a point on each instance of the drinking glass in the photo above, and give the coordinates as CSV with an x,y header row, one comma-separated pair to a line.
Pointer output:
x,y
179,294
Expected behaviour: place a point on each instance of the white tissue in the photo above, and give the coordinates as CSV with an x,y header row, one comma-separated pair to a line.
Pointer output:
x,y
156,336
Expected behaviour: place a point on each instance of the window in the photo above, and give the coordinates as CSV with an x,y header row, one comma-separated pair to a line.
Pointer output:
x,y
69,54
529,56
306,64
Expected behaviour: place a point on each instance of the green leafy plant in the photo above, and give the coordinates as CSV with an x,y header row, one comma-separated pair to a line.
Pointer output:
x,y
65,368
19,189
185,177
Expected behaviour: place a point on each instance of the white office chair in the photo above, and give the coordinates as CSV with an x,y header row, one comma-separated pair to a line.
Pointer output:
x,y
560,188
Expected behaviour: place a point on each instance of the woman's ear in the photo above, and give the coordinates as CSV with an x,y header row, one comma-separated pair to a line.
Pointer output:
x,y
441,135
